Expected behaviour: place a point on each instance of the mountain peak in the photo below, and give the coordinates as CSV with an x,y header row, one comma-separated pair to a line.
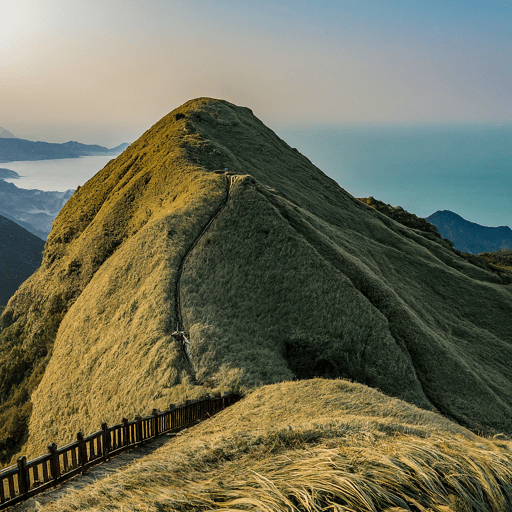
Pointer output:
x,y
271,268
469,236
5,134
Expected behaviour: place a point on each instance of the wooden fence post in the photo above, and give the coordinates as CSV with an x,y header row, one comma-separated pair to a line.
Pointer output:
x,y
22,476
126,432
105,441
54,462
155,423
179,416
82,452
172,419
138,426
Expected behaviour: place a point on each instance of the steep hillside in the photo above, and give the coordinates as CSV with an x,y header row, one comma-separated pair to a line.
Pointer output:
x,y
499,262
20,255
307,446
294,278
469,236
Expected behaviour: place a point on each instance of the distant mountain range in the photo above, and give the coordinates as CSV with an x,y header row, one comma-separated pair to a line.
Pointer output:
x,y
20,255
34,210
12,150
468,236
6,134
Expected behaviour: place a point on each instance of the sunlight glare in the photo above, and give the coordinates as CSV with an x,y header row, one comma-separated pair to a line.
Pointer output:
x,y
10,20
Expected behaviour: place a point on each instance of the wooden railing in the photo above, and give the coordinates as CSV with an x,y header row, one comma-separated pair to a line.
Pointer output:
x,y
26,479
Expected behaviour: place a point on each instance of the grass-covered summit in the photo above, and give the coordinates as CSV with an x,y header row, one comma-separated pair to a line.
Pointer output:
x,y
295,278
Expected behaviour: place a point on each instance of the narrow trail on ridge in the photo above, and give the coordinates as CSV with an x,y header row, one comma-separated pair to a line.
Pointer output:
x,y
180,328
112,466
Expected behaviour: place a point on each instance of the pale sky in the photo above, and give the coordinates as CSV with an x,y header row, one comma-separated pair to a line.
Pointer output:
x,y
104,71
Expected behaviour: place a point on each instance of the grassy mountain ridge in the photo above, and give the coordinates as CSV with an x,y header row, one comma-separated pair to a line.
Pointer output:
x,y
296,278
498,262
84,236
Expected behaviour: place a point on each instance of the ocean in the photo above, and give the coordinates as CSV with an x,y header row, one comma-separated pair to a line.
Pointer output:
x,y
423,168
56,175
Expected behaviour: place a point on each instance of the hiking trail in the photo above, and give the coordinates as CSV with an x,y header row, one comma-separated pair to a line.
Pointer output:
x,y
180,334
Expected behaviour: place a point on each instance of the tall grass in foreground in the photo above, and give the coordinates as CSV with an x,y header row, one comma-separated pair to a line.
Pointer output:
x,y
324,449
435,474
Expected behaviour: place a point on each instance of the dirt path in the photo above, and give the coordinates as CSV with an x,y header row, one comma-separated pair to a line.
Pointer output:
x,y
179,318
180,328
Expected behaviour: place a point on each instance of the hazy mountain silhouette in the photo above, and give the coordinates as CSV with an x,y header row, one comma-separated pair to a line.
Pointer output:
x,y
13,149
33,209
6,134
8,174
286,276
20,255
468,236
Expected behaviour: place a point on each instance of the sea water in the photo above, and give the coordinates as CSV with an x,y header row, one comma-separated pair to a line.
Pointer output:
x,y
58,175
423,168
465,168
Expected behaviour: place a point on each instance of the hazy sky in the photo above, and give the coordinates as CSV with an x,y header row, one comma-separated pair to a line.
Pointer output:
x,y
104,71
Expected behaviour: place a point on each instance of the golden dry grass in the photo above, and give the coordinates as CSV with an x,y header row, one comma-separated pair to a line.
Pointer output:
x,y
310,446
294,278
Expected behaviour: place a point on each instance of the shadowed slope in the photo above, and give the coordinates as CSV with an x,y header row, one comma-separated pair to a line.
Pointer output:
x,y
20,255
294,278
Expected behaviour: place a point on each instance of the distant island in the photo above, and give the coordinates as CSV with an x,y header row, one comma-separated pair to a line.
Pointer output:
x,y
7,174
468,236
14,150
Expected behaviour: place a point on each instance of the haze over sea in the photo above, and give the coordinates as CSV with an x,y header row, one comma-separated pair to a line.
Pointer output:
x,y
465,168
60,175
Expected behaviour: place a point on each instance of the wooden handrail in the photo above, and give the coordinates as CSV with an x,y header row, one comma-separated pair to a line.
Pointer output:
x,y
26,479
